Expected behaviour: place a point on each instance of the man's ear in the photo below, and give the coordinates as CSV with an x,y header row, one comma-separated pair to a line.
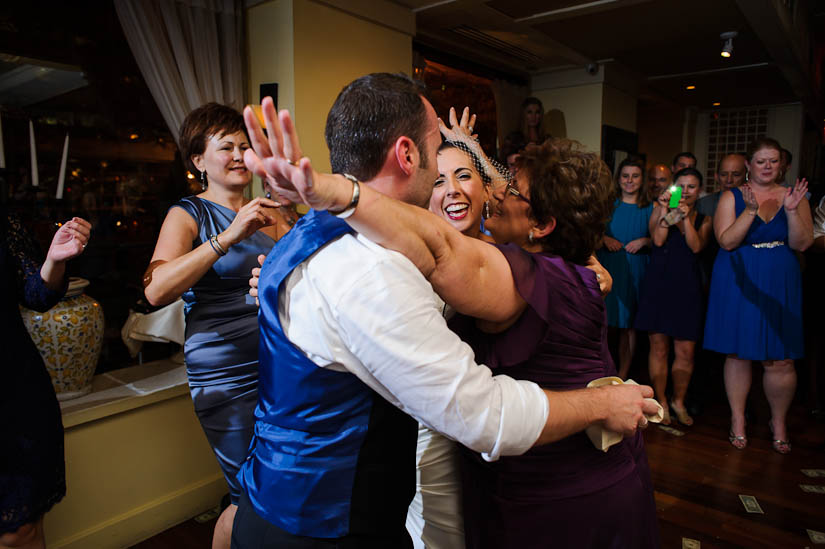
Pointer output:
x,y
542,230
406,154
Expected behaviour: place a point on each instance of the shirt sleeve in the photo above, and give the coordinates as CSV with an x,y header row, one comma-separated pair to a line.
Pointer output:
x,y
819,219
390,321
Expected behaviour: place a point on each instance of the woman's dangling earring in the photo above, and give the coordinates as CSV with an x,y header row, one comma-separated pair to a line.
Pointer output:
x,y
203,180
485,213
530,237
268,195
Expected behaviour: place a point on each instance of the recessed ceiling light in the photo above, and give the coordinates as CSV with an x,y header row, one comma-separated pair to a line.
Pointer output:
x,y
691,87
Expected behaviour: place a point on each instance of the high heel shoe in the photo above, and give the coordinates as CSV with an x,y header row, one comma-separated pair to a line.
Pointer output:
x,y
737,441
681,415
779,446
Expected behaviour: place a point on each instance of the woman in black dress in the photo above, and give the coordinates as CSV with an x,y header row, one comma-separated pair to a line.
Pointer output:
x,y
32,472
671,302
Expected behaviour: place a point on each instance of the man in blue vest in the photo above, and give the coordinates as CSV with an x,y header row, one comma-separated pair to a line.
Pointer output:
x,y
354,349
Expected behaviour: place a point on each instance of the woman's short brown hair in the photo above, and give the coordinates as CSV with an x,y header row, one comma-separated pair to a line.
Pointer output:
x,y
573,187
204,122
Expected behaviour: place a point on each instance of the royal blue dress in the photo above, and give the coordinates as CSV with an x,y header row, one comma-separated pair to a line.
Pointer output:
x,y
672,301
628,223
32,472
221,347
755,304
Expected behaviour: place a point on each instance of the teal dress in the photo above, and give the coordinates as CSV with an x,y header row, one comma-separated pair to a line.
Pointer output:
x,y
629,222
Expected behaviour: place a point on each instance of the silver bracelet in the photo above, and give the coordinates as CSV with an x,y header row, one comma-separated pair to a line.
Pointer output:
x,y
356,194
216,246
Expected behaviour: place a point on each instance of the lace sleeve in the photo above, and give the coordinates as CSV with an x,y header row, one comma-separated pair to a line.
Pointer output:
x,y
32,292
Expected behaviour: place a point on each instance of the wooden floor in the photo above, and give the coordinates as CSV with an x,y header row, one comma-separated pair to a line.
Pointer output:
x,y
698,478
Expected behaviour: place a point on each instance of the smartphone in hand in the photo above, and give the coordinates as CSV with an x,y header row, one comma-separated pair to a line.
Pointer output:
x,y
675,196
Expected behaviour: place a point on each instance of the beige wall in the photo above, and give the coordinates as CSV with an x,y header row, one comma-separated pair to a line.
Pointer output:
x,y
618,109
333,48
582,109
661,129
313,49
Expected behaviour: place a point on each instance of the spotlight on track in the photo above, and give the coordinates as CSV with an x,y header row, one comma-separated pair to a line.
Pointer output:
x,y
727,47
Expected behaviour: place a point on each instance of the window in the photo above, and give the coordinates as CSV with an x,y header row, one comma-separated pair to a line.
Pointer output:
x,y
730,131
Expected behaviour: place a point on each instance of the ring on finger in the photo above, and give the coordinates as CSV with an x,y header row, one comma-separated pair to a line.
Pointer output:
x,y
643,423
290,162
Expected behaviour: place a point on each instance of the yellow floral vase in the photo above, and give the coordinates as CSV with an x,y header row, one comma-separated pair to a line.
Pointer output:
x,y
69,337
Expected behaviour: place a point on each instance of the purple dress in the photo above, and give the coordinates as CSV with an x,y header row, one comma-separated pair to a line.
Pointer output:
x,y
568,493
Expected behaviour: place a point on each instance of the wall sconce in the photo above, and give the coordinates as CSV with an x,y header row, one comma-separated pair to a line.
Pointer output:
x,y
727,48
259,114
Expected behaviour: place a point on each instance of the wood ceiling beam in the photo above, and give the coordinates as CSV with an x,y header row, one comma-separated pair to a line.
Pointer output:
x,y
489,19
585,8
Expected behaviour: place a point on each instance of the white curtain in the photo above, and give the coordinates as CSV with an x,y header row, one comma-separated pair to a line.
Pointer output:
x,y
189,52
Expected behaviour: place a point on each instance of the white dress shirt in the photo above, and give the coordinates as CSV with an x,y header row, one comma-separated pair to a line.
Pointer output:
x,y
355,306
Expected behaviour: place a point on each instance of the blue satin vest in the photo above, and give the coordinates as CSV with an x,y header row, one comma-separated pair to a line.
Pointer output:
x,y
329,456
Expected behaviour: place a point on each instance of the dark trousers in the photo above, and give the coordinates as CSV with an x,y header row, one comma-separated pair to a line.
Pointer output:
x,y
250,531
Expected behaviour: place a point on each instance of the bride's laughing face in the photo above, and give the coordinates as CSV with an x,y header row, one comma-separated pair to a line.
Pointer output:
x,y
459,192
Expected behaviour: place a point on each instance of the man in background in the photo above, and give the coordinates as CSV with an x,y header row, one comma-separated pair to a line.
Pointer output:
x,y
730,173
658,179
683,160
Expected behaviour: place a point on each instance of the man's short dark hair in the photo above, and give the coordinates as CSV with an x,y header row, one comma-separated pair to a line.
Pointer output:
x,y
368,116
683,154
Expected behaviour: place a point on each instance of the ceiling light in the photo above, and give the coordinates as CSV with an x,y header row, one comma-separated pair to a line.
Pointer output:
x,y
716,104
691,87
727,47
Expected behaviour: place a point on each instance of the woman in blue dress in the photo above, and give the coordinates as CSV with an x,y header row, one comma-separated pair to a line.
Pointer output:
x,y
625,255
755,304
671,303
207,247
32,470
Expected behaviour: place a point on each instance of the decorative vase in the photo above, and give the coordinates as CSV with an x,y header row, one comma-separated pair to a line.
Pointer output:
x,y
69,337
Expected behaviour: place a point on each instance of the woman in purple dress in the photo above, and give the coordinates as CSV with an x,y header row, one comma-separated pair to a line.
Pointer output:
x,y
565,494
